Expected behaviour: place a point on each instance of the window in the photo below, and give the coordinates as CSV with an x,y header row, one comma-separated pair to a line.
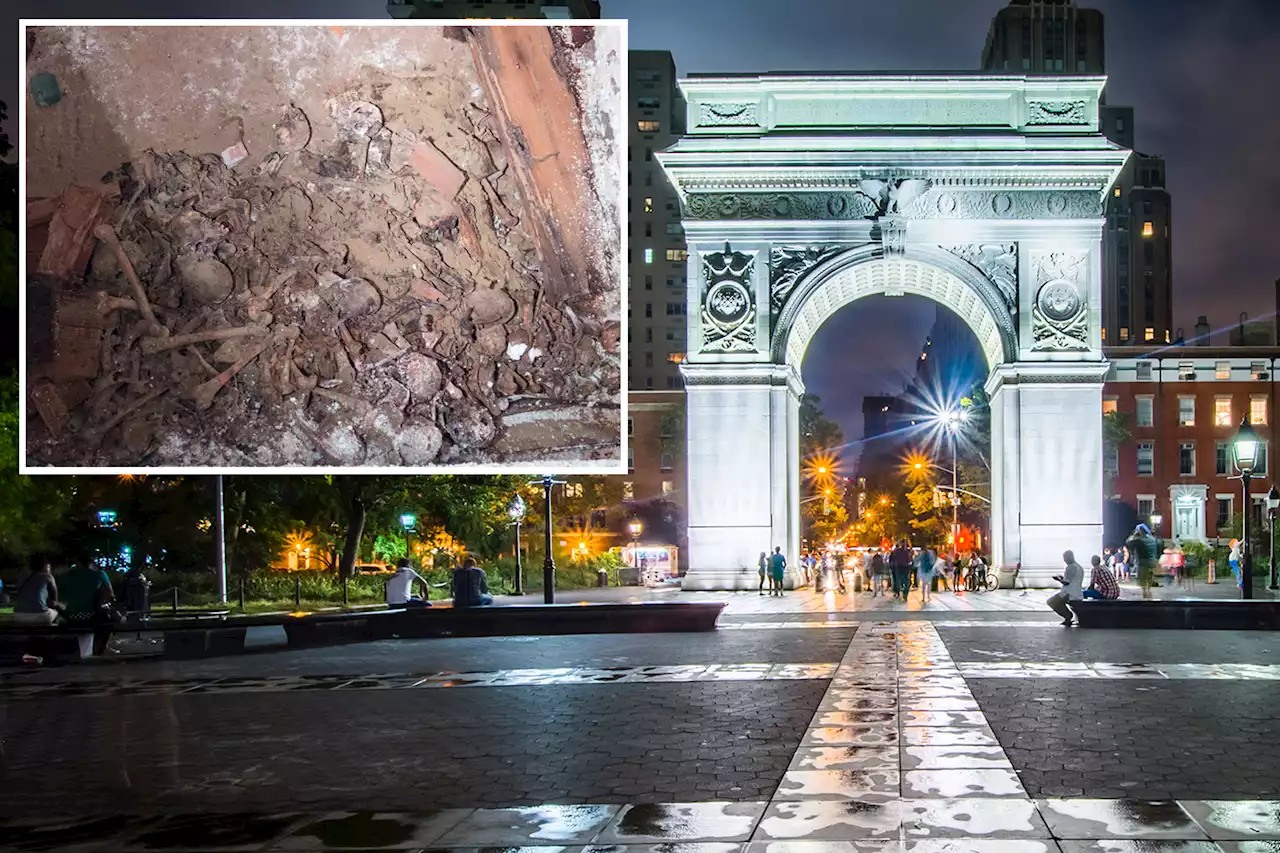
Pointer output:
x,y
1148,230
645,75
1148,253
1187,459
668,487
1222,459
647,126
573,490
673,382
1145,411
1111,459
648,155
674,335
1258,370
1149,334
1146,459
675,357
1144,371
1124,330
648,359
648,229
648,256
648,309
1166,336
1116,191
1257,410
648,383
1222,411
648,282
1222,370
1104,334
665,462
675,309
1120,127
1186,411
628,490
677,254
648,335
1146,507
631,454
648,103
675,228
631,425
1224,511
648,204
1109,405
1260,467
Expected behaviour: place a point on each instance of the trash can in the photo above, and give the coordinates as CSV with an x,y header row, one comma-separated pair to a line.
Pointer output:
x,y
602,578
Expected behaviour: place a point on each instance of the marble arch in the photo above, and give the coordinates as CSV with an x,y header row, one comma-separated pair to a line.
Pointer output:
x,y
803,194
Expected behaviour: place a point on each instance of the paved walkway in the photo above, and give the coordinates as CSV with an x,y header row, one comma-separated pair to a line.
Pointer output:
x,y
802,729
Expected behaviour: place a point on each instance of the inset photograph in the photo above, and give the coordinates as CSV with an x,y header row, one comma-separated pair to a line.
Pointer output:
x,y
313,246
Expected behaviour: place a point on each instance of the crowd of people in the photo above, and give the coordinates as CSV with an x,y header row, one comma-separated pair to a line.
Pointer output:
x,y
895,570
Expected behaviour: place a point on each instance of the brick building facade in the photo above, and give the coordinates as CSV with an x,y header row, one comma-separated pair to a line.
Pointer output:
x,y
1185,405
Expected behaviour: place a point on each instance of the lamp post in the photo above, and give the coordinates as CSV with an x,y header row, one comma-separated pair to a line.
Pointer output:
x,y
516,511
1273,503
547,483
953,419
635,527
1244,448
408,522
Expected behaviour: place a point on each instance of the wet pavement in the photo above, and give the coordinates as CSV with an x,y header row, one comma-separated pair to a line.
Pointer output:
x,y
794,731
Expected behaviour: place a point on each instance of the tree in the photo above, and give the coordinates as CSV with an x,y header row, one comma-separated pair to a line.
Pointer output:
x,y
33,510
817,432
1117,431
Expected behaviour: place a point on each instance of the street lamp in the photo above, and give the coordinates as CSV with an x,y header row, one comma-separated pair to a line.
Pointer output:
x,y
408,521
547,483
1244,447
1155,520
1273,503
635,527
516,511
952,420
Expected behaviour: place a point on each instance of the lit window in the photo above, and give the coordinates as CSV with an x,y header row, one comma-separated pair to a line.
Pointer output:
x,y
675,357
1104,334
1109,405
1146,459
648,126
1186,370
1222,370
1222,411
677,254
1116,192
1148,230
648,204
1258,410
668,486
1186,411
573,490
628,490
1166,336
648,256
1124,333
1149,334
1145,411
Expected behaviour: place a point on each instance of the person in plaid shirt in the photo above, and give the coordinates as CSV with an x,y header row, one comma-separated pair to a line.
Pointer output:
x,y
1102,583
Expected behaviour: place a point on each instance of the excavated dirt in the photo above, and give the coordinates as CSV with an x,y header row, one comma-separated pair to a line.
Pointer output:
x,y
332,216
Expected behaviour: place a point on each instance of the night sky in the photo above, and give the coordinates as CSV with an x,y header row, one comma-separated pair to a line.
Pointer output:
x,y
1202,77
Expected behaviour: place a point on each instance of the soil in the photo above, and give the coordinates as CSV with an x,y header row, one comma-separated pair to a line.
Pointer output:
x,y
338,208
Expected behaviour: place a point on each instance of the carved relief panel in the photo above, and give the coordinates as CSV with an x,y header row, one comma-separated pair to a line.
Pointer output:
x,y
728,312
998,262
788,264
1060,307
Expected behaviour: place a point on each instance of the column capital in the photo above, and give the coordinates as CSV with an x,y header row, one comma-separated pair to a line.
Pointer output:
x,y
1071,373
738,375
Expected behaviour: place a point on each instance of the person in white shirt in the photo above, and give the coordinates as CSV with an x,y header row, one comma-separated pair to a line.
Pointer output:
x,y
400,587
1072,579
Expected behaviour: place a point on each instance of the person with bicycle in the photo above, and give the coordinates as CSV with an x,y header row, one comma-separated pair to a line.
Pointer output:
x,y
976,576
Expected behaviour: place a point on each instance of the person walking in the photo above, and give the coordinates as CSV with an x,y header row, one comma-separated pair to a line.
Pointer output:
x,y
1071,579
1234,558
777,570
879,574
925,564
948,569
764,569
899,569
1102,582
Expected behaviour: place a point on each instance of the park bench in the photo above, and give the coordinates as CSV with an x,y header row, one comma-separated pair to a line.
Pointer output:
x,y
53,643
1179,614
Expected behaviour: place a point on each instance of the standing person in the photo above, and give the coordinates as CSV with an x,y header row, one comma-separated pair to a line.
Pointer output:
x,y
948,567
1071,579
928,560
764,569
777,570
1142,548
1102,583
1234,558
37,598
899,567
879,573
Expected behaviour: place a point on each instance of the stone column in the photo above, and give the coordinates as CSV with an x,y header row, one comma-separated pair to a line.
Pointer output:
x,y
1050,420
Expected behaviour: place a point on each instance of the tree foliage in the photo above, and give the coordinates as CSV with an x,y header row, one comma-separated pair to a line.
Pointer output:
x,y
817,432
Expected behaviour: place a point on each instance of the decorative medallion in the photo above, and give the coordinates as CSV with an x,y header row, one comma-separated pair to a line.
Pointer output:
x,y
874,202
998,262
1060,315
729,115
1056,203
787,264
945,203
1055,112
728,302
1001,204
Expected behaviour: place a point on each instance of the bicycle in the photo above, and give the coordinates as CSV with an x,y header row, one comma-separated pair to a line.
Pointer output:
x,y
981,579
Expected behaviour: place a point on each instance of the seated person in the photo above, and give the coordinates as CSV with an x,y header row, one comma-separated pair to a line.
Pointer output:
x,y
90,601
37,602
1102,582
470,586
400,587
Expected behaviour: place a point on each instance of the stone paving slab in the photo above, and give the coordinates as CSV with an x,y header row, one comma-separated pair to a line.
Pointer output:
x,y
971,644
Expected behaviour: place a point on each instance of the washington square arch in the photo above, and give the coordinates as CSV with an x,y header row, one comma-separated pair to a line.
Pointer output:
x,y
802,194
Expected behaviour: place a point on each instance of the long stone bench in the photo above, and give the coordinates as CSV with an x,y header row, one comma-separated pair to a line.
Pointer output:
x,y
1179,614
323,629
54,643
